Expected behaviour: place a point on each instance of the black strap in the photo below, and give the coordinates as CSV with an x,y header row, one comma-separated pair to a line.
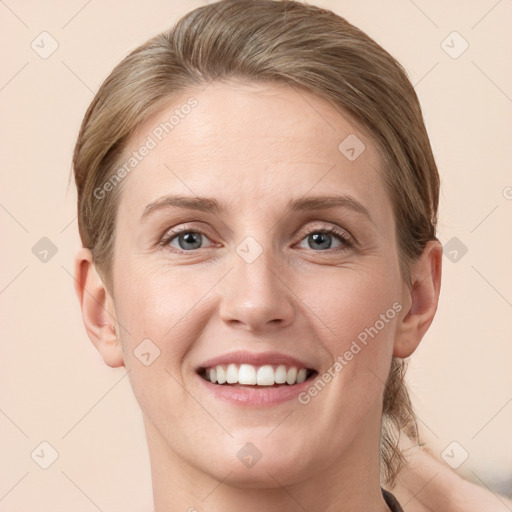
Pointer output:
x,y
391,501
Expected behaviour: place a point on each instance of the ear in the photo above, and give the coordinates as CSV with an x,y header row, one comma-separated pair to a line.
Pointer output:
x,y
98,311
420,300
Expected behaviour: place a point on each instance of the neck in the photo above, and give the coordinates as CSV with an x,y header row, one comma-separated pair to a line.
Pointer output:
x,y
351,484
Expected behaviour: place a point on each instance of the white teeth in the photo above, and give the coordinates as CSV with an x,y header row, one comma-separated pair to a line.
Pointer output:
x,y
265,376
291,376
232,374
221,374
249,375
280,374
301,376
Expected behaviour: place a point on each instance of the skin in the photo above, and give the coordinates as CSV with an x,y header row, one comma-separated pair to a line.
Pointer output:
x,y
254,148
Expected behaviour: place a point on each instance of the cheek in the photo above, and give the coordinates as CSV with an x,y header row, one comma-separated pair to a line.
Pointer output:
x,y
166,306
158,335
357,314
154,309
349,304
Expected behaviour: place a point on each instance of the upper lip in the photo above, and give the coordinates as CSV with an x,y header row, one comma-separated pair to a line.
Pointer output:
x,y
256,359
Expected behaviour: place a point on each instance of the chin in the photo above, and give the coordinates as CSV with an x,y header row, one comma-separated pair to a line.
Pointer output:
x,y
261,463
272,473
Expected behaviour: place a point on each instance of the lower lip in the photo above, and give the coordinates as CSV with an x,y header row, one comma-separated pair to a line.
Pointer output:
x,y
256,396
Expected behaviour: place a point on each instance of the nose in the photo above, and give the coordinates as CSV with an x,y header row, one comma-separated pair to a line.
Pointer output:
x,y
255,294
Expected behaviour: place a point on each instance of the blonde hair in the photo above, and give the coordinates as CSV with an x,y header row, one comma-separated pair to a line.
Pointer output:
x,y
281,41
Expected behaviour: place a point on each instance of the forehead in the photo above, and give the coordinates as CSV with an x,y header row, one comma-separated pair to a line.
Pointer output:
x,y
252,142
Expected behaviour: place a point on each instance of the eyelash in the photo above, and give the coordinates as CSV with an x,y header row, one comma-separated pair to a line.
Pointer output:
x,y
341,235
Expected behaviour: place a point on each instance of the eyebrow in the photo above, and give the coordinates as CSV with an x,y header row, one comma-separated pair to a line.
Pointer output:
x,y
211,205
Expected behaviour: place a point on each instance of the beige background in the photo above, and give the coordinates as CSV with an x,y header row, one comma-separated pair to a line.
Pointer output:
x,y
55,388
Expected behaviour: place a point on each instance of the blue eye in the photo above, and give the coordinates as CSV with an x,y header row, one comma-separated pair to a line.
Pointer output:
x,y
323,239
187,240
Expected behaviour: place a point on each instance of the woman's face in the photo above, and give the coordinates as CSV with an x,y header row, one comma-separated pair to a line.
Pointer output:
x,y
257,279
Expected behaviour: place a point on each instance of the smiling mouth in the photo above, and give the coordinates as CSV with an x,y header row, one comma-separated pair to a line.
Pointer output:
x,y
264,376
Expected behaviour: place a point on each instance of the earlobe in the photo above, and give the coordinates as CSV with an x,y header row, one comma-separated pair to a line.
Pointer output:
x,y
98,310
422,300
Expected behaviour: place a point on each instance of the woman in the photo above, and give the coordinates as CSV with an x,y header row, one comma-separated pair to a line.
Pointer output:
x,y
257,202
